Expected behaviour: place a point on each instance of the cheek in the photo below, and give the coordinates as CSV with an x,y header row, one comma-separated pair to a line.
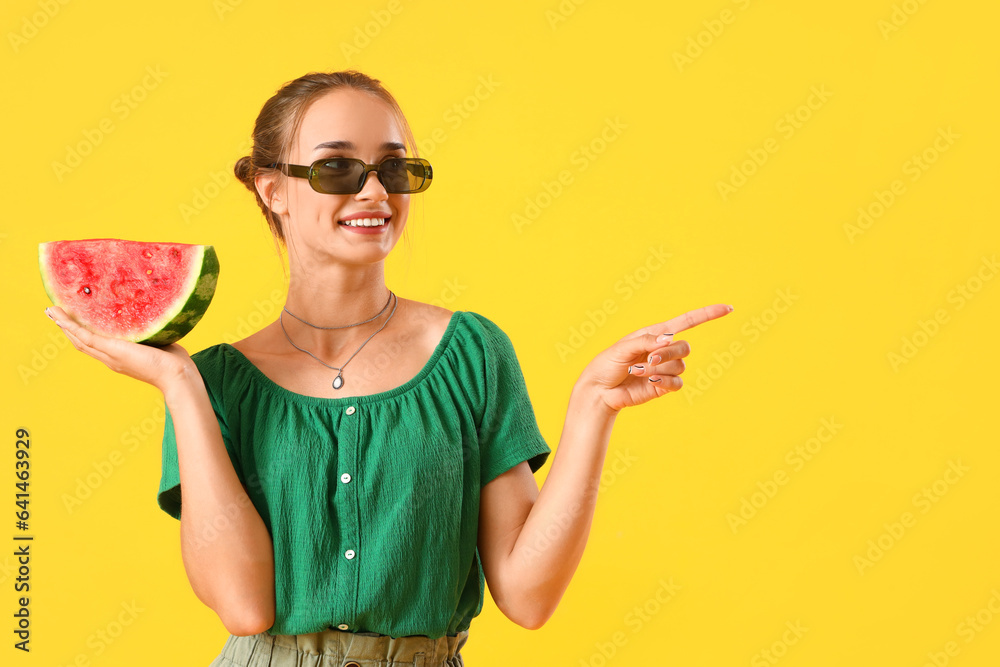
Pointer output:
x,y
314,207
399,223
401,206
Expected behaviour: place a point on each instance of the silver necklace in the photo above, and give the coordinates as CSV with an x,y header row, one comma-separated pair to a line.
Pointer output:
x,y
315,326
338,381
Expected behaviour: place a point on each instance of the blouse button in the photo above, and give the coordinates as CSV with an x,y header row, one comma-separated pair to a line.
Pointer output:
x,y
345,478
342,626
349,554
350,410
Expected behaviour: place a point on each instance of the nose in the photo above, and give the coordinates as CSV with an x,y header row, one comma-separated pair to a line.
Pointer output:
x,y
374,192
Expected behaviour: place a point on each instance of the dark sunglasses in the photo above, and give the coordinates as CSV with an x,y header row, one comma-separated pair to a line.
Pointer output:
x,y
347,176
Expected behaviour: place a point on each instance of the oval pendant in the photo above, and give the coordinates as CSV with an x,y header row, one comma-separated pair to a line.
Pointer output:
x,y
338,382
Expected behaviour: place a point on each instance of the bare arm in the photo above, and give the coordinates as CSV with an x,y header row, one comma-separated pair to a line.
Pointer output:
x,y
532,541
225,546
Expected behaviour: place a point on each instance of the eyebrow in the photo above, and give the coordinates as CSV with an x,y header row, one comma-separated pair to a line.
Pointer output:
x,y
347,145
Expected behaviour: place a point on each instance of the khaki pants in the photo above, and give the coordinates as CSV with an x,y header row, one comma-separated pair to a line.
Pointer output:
x,y
337,648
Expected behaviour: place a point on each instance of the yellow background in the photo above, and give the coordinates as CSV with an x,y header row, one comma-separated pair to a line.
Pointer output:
x,y
820,310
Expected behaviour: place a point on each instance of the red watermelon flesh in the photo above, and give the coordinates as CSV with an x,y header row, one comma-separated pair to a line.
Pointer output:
x,y
150,293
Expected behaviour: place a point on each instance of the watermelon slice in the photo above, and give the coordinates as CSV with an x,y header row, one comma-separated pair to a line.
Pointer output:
x,y
151,293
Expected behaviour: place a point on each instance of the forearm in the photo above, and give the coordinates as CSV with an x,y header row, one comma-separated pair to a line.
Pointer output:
x,y
551,542
225,546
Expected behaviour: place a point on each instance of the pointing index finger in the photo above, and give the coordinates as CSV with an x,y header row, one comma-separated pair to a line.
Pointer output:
x,y
693,318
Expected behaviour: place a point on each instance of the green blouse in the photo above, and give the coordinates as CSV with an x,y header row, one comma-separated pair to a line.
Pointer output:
x,y
372,502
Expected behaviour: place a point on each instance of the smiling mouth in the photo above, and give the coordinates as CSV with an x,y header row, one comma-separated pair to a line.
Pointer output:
x,y
365,222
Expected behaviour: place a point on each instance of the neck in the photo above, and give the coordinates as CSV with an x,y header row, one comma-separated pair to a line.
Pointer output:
x,y
341,299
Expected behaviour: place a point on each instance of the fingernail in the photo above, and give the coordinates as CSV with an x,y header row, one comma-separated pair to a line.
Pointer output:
x,y
730,308
639,368
655,359
663,337
654,379
49,316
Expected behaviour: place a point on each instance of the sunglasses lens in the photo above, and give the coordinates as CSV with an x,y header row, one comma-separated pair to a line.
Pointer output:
x,y
337,177
398,176
395,176
403,175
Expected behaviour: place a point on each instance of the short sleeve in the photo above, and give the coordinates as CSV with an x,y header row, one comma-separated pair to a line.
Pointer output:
x,y
168,496
509,431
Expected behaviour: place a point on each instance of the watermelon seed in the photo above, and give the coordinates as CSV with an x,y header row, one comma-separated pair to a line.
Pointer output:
x,y
86,290
148,271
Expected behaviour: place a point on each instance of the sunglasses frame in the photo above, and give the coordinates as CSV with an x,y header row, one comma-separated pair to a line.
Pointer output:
x,y
311,173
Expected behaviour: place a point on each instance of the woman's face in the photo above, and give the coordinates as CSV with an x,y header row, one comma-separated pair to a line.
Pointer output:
x,y
312,219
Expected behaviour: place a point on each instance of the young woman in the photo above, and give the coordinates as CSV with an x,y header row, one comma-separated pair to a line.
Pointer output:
x,y
353,473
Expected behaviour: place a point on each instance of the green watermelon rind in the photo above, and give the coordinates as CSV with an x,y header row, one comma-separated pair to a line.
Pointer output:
x,y
179,320
201,286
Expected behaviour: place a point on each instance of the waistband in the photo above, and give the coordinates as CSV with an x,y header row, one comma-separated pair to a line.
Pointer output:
x,y
333,647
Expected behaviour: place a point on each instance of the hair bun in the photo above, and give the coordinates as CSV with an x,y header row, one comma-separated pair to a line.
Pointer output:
x,y
244,171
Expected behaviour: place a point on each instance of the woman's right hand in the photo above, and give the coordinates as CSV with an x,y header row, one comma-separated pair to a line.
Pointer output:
x,y
157,366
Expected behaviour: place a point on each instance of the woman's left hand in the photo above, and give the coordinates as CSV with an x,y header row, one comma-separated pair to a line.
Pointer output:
x,y
629,372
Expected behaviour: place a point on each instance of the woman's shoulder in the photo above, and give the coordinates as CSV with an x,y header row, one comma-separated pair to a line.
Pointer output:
x,y
212,354
211,361
420,316
483,328
465,324
466,336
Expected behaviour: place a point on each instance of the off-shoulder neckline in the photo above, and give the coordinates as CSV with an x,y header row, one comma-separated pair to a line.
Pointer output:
x,y
407,386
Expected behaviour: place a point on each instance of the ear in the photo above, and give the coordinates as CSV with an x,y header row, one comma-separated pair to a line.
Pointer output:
x,y
271,190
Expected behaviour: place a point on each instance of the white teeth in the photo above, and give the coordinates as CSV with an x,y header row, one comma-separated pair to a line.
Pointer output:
x,y
365,222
